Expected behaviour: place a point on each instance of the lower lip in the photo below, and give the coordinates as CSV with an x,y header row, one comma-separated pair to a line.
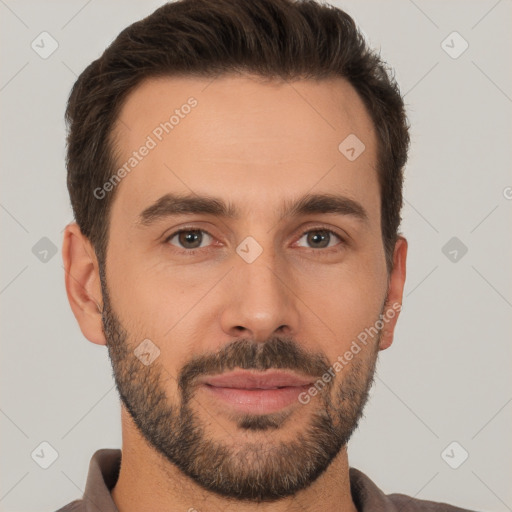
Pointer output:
x,y
257,401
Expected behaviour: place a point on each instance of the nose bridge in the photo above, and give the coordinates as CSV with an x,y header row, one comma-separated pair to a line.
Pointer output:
x,y
261,299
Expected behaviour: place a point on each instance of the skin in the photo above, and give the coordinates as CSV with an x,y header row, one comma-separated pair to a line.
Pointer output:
x,y
254,144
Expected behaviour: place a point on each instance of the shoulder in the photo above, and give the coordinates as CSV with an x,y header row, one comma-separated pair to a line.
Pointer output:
x,y
368,497
404,502
74,506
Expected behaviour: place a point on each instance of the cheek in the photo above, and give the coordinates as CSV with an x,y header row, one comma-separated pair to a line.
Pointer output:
x,y
166,311
347,302
169,305
142,296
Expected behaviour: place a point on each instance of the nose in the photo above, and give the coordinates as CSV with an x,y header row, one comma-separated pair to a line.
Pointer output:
x,y
260,301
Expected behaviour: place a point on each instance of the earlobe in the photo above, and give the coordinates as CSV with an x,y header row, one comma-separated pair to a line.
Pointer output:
x,y
82,282
395,293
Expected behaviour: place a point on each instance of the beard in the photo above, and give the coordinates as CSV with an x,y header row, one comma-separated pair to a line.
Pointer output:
x,y
258,471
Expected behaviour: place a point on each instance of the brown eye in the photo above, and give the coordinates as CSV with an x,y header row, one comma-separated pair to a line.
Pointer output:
x,y
321,238
189,238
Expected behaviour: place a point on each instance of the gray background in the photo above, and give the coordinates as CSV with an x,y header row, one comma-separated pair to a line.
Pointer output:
x,y
446,378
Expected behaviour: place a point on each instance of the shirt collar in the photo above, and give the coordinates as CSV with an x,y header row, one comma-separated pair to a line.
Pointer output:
x,y
102,477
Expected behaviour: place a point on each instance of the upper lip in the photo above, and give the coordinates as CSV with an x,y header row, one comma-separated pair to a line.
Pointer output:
x,y
244,379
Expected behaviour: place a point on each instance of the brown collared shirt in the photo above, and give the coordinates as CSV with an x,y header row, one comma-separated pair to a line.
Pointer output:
x,y
104,471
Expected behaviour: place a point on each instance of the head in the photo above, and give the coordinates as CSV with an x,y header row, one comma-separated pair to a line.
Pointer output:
x,y
275,139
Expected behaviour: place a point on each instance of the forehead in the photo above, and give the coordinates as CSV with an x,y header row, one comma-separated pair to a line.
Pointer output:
x,y
252,142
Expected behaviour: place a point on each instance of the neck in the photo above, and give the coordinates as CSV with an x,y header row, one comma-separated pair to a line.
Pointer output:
x,y
147,481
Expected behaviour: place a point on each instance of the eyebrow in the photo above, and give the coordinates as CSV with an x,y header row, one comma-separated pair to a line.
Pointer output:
x,y
185,204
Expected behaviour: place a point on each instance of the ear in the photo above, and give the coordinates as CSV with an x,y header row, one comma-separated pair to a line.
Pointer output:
x,y
395,293
83,285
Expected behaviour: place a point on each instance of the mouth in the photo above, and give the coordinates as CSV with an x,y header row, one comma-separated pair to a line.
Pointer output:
x,y
256,392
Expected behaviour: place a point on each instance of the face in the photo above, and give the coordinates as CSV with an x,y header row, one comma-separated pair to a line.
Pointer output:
x,y
267,258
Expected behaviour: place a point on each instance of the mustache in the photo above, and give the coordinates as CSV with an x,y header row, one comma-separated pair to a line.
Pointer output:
x,y
276,353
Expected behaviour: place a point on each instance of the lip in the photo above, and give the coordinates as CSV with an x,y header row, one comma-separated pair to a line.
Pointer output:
x,y
256,392
247,379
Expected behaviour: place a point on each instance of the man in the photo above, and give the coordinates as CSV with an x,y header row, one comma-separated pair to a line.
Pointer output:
x,y
267,136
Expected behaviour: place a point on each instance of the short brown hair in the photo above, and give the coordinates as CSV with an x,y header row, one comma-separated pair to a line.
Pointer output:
x,y
272,38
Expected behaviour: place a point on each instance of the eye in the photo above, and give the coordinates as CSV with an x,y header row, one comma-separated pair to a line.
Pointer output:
x,y
321,238
189,238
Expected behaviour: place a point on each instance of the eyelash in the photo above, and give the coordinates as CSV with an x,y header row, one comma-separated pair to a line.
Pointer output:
x,y
192,252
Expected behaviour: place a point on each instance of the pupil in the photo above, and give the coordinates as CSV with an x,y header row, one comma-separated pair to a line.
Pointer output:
x,y
319,236
190,237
